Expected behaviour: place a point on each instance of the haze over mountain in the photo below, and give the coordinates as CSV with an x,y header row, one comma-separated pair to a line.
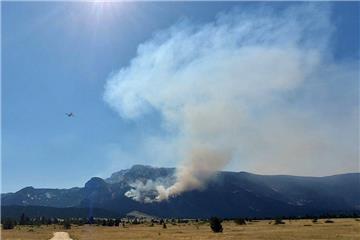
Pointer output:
x,y
227,194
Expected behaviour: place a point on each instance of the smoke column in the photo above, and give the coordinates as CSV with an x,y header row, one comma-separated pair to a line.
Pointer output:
x,y
223,91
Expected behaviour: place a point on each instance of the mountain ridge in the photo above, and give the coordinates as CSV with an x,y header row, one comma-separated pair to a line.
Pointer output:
x,y
227,194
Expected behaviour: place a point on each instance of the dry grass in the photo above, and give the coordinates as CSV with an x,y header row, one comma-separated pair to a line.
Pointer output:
x,y
295,229
30,232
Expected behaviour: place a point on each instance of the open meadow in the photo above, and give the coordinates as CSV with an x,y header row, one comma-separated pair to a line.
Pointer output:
x,y
264,229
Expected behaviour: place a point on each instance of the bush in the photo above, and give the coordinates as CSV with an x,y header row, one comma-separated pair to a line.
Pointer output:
x,y
215,225
329,221
23,220
279,221
117,222
110,223
164,225
90,220
8,224
315,220
135,221
240,221
67,225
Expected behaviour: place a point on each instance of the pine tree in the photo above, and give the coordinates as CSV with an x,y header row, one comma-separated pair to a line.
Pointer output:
x,y
22,219
67,224
8,224
215,225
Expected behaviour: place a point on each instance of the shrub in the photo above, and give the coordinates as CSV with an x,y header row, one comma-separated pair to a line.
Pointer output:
x,y
164,225
315,220
91,220
279,221
8,224
67,224
117,222
104,223
215,225
110,223
240,221
22,220
329,221
135,221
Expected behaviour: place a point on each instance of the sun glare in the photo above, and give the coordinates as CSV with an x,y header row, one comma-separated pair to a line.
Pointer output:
x,y
103,11
99,6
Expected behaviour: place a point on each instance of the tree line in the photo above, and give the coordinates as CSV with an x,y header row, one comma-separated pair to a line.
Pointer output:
x,y
215,222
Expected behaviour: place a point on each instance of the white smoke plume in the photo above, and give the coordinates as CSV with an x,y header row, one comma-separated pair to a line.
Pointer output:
x,y
230,89
145,192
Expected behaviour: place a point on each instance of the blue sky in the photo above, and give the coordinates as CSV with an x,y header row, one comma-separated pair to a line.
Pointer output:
x,y
57,58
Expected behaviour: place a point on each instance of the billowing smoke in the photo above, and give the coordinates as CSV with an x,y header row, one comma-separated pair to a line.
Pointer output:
x,y
146,192
230,89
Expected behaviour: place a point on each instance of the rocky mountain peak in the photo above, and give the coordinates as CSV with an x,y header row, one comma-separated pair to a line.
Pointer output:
x,y
95,183
140,172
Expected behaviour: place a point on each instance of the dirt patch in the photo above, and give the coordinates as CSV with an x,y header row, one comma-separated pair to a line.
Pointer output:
x,y
61,236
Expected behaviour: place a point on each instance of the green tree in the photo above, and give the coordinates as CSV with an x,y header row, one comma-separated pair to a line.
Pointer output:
x,y
67,224
240,221
110,223
104,223
22,219
91,220
48,222
279,221
8,224
215,225
56,221
117,222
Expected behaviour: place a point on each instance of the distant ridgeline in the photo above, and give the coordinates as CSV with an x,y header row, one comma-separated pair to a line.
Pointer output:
x,y
15,212
227,195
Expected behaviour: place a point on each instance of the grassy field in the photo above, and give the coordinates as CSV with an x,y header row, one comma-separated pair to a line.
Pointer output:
x,y
295,229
